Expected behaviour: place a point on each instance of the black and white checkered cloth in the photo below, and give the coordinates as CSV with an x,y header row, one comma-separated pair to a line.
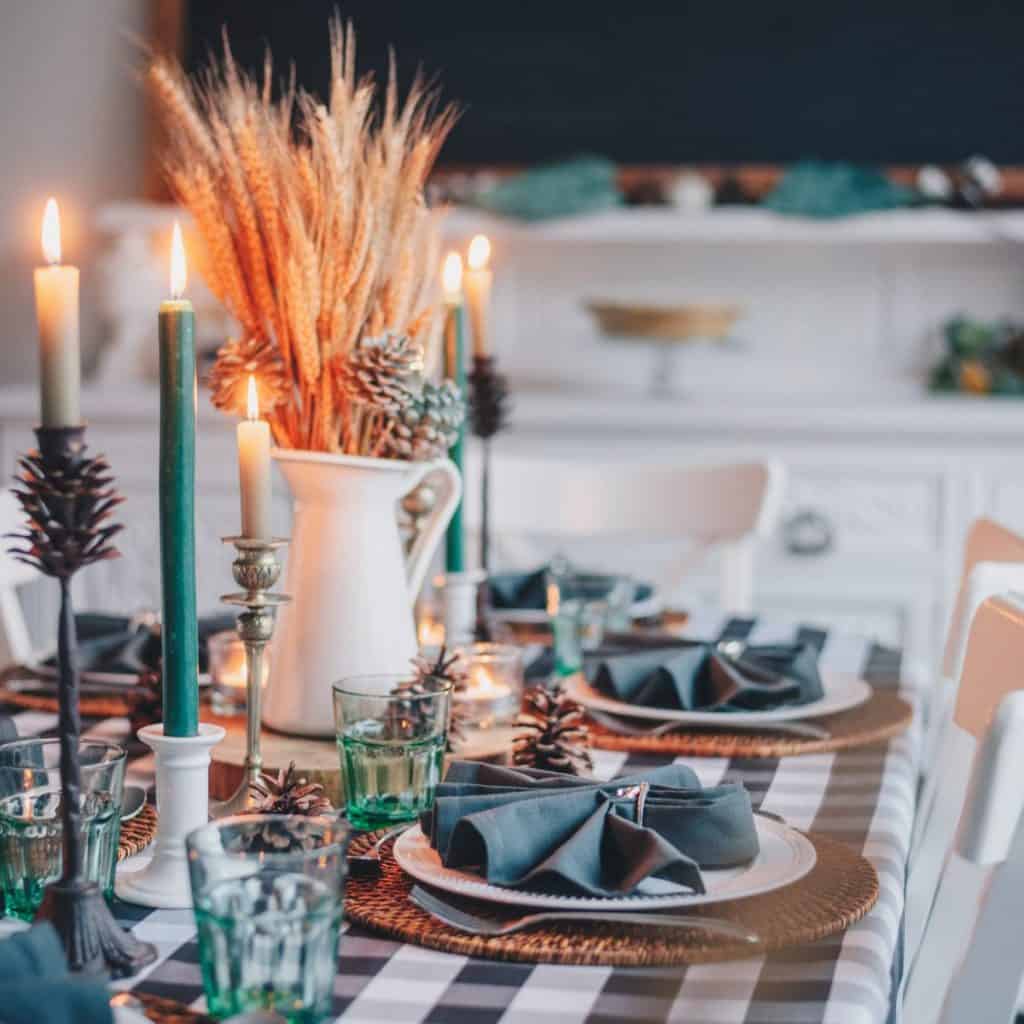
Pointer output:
x,y
863,797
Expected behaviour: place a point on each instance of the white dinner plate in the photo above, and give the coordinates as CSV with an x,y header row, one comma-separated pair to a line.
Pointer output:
x,y
785,857
645,609
842,692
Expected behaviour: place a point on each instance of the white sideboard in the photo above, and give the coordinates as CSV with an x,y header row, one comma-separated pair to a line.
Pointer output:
x,y
896,485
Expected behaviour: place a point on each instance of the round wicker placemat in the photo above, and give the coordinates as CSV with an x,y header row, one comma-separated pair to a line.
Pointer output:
x,y
137,833
167,1011
840,889
879,718
90,705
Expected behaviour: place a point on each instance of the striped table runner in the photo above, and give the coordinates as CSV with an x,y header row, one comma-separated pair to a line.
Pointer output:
x,y
863,797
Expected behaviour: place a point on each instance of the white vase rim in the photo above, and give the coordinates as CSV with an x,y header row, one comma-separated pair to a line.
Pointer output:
x,y
332,459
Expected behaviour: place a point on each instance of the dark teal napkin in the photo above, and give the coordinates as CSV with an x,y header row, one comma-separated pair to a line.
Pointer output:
x,y
116,645
35,987
689,676
556,833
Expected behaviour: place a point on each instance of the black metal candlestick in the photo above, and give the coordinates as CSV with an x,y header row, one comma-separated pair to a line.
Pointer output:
x,y
68,498
488,413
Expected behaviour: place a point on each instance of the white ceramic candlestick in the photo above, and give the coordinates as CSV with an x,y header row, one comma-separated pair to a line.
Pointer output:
x,y
460,597
182,803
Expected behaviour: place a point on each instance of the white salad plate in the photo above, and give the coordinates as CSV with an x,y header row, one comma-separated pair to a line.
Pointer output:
x,y
842,692
785,857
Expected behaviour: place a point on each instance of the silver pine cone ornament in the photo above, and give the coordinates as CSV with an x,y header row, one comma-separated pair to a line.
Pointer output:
x,y
381,374
429,423
552,735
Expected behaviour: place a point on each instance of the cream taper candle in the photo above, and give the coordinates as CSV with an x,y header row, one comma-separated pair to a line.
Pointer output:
x,y
476,283
57,315
254,469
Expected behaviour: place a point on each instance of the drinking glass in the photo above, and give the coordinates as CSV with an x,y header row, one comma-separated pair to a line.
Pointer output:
x,y
31,832
577,626
616,593
268,892
391,740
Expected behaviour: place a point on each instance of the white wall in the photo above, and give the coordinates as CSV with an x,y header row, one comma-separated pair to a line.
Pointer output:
x,y
72,124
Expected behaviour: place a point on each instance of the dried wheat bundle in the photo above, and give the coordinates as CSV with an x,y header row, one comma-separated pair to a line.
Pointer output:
x,y
314,225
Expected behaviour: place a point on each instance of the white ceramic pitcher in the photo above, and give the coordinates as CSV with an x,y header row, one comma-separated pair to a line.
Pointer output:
x,y
352,592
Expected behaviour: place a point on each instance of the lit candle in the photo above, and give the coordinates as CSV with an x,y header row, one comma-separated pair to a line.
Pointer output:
x,y
483,687
177,503
57,315
454,369
478,282
254,468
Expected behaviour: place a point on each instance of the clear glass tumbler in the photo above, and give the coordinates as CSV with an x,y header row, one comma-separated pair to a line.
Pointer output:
x,y
268,892
31,832
391,738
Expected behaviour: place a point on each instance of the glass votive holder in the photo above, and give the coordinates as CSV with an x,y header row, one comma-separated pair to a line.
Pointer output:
x,y
391,740
459,595
268,891
226,654
494,687
616,593
31,830
577,627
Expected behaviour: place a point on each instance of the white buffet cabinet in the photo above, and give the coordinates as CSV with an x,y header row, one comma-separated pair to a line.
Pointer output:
x,y
825,373
896,484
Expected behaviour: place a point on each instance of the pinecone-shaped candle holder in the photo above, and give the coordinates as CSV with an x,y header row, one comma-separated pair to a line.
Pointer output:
x,y
68,497
256,570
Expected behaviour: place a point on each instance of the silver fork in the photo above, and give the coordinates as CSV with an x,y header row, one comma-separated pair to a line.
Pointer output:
x,y
620,725
463,921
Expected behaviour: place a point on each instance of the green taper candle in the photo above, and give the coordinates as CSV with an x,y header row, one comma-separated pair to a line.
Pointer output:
x,y
455,370
177,504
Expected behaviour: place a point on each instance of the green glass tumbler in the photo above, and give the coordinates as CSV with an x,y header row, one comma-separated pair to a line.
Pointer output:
x,y
391,739
268,891
31,831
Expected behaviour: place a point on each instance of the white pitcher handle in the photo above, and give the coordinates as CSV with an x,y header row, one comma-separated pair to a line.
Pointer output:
x,y
430,536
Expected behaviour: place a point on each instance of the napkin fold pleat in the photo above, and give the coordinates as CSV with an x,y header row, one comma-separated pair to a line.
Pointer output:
x,y
35,987
542,831
695,676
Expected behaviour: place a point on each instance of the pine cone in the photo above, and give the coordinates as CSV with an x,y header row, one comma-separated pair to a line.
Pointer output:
x,y
239,358
553,736
429,424
288,794
67,498
380,374
146,700
444,668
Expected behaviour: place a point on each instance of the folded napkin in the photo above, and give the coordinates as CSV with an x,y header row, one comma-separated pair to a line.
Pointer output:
x,y
119,645
36,988
692,676
557,833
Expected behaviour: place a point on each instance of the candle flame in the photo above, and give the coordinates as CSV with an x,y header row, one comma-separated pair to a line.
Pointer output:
x,y
252,403
179,274
451,275
51,232
479,253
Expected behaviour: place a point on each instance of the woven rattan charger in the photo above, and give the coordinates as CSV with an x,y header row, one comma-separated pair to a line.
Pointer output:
x,y
840,889
881,717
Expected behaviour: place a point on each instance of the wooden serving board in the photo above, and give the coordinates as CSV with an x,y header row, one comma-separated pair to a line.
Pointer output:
x,y
318,760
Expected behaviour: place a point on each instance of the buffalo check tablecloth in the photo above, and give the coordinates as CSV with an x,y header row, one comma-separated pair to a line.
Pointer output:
x,y
863,797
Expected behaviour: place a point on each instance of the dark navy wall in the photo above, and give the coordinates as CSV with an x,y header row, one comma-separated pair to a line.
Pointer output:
x,y
713,80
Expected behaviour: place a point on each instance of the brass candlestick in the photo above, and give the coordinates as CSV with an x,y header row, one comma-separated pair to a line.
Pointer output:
x,y
256,569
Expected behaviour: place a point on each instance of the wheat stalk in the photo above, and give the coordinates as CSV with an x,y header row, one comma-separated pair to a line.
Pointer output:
x,y
313,221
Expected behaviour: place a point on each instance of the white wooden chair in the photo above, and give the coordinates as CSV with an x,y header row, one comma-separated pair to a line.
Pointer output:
x,y
15,642
992,669
967,965
993,564
727,506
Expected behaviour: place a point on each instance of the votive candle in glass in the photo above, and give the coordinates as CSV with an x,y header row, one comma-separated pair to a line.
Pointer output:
x,y
494,690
